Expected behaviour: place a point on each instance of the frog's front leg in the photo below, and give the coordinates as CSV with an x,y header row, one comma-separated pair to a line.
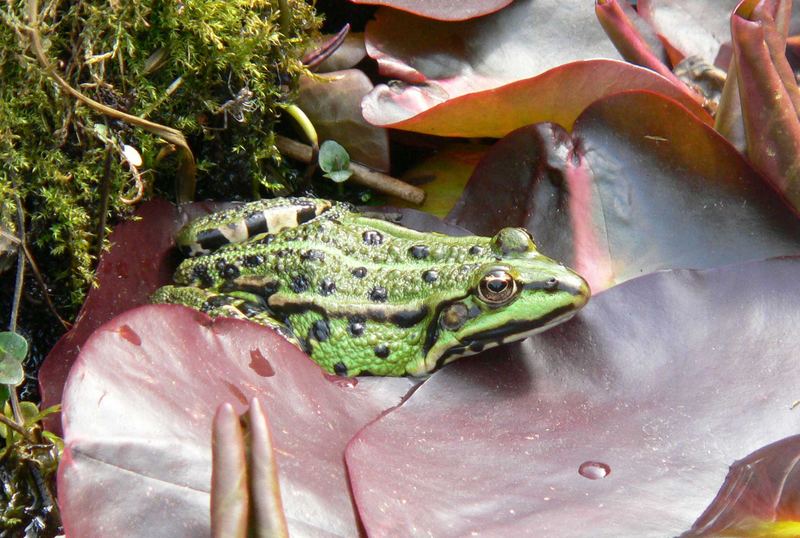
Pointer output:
x,y
232,305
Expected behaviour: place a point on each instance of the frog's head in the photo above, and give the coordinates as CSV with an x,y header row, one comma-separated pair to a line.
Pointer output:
x,y
519,294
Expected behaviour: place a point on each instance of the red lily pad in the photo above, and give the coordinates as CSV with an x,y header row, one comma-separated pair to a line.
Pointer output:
x,y
445,10
639,185
140,260
137,414
558,95
620,422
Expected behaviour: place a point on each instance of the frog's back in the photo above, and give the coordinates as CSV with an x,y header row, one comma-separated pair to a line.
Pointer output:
x,y
338,283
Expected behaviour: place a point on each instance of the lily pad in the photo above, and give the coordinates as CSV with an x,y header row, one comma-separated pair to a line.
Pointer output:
x,y
444,60
140,260
558,95
758,497
621,422
137,415
639,185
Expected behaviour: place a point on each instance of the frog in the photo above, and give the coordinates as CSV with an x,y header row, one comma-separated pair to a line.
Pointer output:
x,y
363,295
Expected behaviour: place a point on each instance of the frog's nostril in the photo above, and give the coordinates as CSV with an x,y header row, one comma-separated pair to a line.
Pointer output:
x,y
551,283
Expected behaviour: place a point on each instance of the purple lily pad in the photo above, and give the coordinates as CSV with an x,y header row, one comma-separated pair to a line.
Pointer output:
x,y
621,422
639,185
137,415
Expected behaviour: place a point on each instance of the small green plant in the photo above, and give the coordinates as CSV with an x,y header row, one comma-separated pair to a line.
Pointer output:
x,y
334,161
29,456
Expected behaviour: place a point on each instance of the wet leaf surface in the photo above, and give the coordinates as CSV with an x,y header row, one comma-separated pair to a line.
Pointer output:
x,y
640,185
446,10
137,414
620,422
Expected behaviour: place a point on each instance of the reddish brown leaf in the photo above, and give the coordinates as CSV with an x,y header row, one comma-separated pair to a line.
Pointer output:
x,y
621,422
640,185
332,102
137,424
558,95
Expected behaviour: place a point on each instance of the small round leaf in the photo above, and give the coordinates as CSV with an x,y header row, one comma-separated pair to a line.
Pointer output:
x,y
333,157
339,176
13,346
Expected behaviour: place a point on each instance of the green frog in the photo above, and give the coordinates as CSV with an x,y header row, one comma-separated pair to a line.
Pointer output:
x,y
362,295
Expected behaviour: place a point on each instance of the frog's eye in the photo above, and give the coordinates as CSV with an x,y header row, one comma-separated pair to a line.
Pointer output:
x,y
497,287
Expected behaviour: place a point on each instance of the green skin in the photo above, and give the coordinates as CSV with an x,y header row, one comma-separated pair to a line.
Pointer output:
x,y
395,319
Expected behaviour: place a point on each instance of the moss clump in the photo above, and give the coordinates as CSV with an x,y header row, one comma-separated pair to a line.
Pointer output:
x,y
217,70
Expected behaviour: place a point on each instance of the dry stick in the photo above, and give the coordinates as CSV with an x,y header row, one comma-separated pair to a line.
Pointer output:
x,y
361,174
173,136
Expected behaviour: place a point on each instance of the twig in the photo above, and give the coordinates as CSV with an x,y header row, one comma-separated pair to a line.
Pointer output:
x,y
361,174
38,275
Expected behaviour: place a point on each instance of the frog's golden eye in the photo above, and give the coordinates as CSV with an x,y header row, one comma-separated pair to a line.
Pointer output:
x,y
497,287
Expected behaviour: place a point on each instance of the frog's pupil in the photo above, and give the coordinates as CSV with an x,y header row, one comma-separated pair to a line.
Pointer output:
x,y
497,286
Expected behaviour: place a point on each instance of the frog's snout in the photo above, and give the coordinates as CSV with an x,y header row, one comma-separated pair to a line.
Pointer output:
x,y
575,285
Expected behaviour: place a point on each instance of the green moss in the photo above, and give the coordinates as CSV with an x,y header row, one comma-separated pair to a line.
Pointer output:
x,y
218,70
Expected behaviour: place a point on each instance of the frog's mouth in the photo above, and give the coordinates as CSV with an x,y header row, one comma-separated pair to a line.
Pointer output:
x,y
512,332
